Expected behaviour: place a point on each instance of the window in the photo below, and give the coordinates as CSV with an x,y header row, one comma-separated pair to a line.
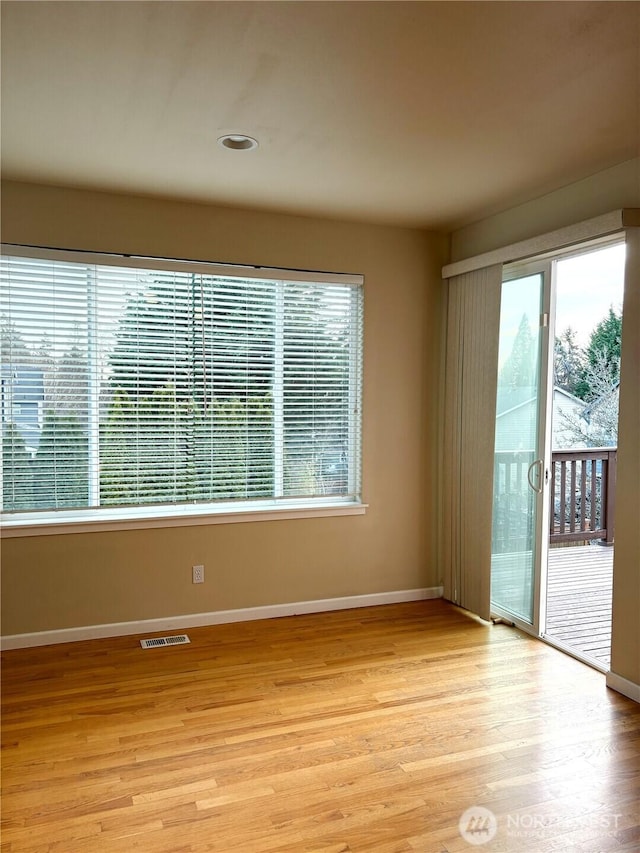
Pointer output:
x,y
144,387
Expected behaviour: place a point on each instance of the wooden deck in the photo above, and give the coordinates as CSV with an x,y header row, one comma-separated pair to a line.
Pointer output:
x,y
579,587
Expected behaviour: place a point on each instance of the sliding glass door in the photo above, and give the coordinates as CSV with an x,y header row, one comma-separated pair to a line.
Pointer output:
x,y
520,470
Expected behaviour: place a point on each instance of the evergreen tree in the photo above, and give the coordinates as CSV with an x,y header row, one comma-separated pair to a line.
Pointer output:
x,y
68,384
314,447
202,395
144,449
188,410
118,470
233,450
222,452
162,426
60,467
221,344
519,368
602,354
17,487
568,361
145,358
606,339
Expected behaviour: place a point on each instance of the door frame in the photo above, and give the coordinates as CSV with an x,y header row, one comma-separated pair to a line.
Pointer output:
x,y
546,264
510,272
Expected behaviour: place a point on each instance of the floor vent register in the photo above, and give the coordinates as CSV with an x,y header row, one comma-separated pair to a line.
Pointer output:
x,y
178,640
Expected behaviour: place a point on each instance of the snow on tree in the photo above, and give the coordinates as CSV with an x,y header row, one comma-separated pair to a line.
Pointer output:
x,y
597,424
568,361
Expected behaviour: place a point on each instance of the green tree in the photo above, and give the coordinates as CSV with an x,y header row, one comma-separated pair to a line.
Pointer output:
x,y
315,447
568,361
606,339
191,413
17,486
144,359
60,467
209,386
519,369
68,384
220,344
233,450
118,453
602,352
163,449
144,449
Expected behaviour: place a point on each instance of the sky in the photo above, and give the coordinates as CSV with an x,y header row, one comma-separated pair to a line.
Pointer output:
x,y
587,286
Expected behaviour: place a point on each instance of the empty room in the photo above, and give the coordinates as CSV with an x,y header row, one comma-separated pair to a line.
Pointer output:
x,y
320,397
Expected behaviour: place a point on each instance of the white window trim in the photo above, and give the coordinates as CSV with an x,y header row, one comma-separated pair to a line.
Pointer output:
x,y
135,518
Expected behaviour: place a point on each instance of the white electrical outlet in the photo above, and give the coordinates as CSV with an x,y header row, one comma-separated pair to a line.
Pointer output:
x,y
198,574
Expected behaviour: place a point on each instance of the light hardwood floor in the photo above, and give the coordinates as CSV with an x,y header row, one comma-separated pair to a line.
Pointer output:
x,y
367,730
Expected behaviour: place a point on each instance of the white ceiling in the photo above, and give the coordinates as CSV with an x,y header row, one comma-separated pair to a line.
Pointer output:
x,y
418,113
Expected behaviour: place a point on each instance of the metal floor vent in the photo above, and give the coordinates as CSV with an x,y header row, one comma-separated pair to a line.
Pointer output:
x,y
178,640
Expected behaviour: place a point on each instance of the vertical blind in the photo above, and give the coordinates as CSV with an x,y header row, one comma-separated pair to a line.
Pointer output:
x,y
471,367
127,386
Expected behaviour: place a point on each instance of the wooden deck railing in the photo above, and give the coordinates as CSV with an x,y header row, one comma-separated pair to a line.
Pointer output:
x,y
583,495
512,517
582,491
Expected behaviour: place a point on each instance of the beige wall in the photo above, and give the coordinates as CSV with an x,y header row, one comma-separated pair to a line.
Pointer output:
x,y
625,642
61,581
610,190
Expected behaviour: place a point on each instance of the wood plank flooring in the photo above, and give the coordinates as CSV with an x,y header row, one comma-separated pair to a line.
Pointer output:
x,y
368,730
579,591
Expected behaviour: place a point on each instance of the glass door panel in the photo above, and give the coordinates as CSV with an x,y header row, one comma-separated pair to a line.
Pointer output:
x,y
518,465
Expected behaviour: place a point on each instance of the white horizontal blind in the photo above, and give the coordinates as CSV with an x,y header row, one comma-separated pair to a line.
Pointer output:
x,y
126,386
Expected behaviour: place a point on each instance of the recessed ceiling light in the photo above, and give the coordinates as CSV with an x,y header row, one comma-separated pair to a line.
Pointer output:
x,y
237,142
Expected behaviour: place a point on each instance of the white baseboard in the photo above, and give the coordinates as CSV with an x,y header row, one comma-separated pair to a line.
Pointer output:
x,y
217,617
624,686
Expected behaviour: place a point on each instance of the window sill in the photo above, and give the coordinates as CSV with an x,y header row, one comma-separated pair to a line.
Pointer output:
x,y
101,520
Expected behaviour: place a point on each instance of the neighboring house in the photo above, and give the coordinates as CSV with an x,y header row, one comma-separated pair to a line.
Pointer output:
x,y
564,403
22,401
516,420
